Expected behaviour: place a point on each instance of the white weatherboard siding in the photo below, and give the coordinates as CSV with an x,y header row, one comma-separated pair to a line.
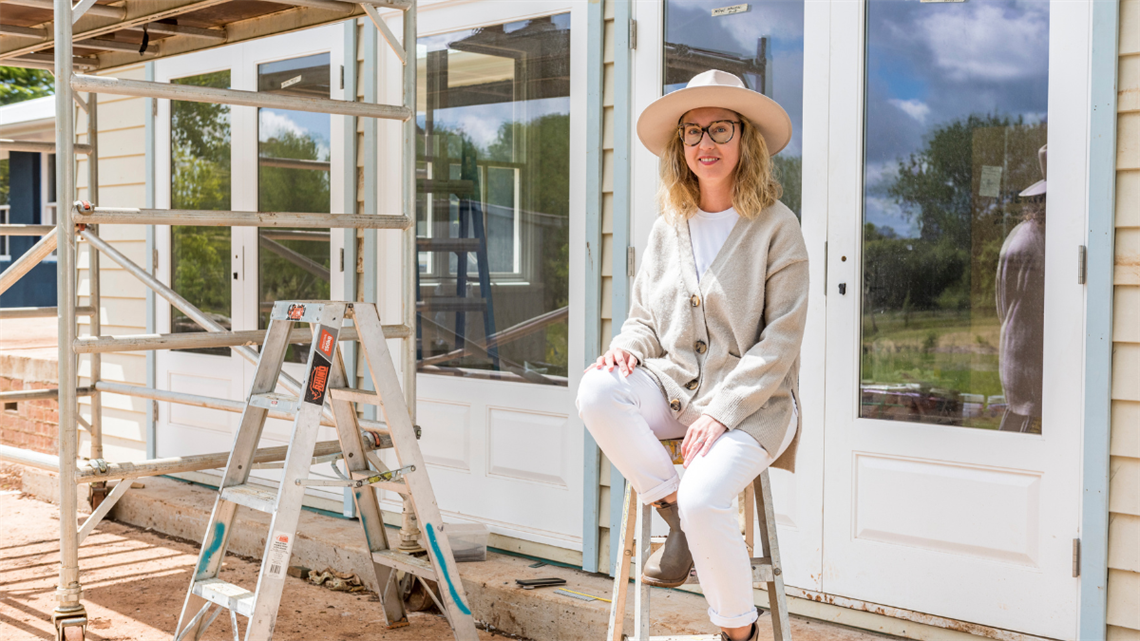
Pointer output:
x,y
607,271
122,183
1124,472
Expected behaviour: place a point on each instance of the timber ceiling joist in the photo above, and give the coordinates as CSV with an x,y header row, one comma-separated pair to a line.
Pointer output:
x,y
111,33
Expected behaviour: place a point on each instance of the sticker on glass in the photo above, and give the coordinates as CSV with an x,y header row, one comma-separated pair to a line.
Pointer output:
x,y
290,82
728,11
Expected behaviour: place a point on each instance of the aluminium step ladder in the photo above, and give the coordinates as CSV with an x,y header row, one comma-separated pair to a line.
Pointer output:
x,y
766,569
325,379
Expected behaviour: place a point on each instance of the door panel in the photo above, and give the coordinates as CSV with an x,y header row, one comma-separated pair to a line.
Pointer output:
x,y
932,503
499,142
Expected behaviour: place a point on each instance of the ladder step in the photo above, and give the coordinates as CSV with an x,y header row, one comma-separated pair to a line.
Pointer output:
x,y
447,244
275,401
417,565
227,595
255,497
367,397
451,304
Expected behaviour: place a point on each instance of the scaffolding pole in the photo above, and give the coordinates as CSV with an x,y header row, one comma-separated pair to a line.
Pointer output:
x,y
69,616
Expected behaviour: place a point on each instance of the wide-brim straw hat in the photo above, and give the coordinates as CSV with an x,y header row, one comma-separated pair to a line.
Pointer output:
x,y
1038,188
713,88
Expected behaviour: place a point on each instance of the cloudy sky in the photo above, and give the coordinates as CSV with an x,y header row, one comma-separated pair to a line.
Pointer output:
x,y
932,63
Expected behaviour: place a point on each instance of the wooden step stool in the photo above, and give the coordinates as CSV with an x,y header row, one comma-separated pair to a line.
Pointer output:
x,y
765,569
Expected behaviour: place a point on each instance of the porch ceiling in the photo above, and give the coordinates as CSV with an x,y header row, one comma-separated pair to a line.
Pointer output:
x,y
110,34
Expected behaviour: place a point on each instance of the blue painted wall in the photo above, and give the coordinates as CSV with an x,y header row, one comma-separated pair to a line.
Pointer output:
x,y
37,287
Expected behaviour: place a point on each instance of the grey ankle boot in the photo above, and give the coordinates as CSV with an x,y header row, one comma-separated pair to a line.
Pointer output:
x,y
670,565
754,636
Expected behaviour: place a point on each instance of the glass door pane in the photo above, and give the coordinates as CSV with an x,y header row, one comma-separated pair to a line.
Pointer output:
x,y
200,179
953,248
762,45
493,191
293,175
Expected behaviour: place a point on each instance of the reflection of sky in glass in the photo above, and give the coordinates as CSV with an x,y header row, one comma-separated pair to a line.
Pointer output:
x,y
931,63
690,23
275,122
482,123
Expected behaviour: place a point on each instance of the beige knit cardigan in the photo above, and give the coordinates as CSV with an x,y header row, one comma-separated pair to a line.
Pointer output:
x,y
727,346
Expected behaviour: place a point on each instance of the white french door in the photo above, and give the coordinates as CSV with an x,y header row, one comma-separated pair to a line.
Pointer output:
x,y
796,32
499,115
245,159
927,505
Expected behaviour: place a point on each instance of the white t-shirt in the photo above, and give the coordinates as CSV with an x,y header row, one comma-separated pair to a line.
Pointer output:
x,y
709,231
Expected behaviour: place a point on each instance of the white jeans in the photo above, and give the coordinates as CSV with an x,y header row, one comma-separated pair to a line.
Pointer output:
x,y
628,417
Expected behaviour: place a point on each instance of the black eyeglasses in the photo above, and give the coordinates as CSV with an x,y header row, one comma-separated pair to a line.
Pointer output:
x,y
720,131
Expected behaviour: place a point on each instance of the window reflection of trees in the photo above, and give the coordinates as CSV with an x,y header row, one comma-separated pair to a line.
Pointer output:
x,y
516,77
930,328
200,179
293,176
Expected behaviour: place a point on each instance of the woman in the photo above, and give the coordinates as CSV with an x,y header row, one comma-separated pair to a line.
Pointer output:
x,y
710,349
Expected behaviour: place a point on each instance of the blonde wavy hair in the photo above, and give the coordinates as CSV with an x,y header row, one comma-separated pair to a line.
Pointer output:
x,y
756,186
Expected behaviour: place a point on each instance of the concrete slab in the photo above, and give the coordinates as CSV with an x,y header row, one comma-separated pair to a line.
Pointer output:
x,y
181,510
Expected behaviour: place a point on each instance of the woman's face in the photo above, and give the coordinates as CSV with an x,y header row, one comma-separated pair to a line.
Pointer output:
x,y
712,163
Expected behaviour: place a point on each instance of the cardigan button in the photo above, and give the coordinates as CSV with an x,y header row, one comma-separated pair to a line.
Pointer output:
x,y
701,347
695,301
692,385
675,405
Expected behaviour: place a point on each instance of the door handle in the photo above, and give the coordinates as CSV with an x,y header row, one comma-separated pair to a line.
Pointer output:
x,y
842,289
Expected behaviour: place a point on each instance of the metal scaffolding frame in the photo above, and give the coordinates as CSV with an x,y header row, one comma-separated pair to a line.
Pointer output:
x,y
76,26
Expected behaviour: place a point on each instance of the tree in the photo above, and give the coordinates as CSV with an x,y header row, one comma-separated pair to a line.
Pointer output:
x,y
18,84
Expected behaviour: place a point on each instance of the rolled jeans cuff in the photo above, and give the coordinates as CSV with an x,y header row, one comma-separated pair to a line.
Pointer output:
x,y
661,491
738,621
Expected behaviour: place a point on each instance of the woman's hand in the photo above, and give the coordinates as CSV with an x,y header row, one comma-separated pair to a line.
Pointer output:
x,y
700,437
624,361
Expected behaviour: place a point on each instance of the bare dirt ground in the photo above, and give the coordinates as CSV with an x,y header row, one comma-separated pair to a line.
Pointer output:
x,y
135,580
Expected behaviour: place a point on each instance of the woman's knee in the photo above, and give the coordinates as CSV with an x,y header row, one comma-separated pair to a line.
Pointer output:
x,y
598,392
697,503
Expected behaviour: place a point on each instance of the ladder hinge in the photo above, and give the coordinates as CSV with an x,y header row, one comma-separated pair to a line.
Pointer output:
x,y
1082,264
630,261
1076,558
632,34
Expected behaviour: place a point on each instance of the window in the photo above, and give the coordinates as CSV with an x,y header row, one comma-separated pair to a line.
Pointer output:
x,y
953,256
493,154
200,179
293,175
49,212
762,45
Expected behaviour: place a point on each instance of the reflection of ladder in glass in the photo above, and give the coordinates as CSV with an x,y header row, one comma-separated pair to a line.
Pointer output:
x,y
325,378
470,217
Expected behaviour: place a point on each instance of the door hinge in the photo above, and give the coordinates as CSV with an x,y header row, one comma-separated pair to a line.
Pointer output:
x,y
630,261
1076,558
154,262
342,259
342,76
632,34
1082,264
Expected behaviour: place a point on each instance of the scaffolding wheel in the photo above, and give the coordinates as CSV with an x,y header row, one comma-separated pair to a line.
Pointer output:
x,y
96,492
71,629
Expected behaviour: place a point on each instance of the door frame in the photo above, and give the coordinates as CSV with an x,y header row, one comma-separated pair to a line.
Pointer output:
x,y
241,60
1064,321
799,526
446,17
